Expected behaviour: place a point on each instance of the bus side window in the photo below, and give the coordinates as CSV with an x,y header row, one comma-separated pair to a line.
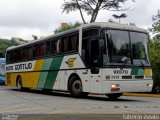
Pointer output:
x,y
48,48
36,51
25,53
58,46
19,54
86,35
11,57
73,43
62,47
8,56
41,50
55,47
14,56
85,51
65,44
30,52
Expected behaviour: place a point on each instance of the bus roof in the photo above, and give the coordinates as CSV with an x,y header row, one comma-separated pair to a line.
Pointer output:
x,y
95,24
116,26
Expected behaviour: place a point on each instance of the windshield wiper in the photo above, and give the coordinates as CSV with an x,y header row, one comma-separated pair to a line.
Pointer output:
x,y
141,63
124,60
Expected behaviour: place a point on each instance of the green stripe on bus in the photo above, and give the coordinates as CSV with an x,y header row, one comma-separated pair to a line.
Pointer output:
x,y
134,72
140,72
137,72
43,75
52,75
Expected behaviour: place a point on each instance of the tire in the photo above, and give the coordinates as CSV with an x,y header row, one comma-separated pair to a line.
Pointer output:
x,y
114,96
19,84
75,88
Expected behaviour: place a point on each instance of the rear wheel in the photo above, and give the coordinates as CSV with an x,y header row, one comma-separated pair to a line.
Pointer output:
x,y
114,96
75,88
19,84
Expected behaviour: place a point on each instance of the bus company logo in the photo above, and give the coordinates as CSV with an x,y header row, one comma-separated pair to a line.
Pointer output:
x,y
70,62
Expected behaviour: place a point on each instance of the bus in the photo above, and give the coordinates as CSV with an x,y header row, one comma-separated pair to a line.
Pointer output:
x,y
2,71
101,58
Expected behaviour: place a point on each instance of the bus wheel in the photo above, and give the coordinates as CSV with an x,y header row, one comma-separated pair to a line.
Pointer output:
x,y
19,84
114,96
76,87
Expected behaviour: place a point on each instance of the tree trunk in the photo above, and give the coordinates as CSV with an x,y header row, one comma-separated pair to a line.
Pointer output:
x,y
95,12
81,12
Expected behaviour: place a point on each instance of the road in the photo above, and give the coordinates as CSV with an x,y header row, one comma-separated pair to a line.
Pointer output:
x,y
35,102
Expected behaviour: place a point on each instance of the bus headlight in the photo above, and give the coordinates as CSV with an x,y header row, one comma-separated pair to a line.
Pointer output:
x,y
115,88
149,85
115,85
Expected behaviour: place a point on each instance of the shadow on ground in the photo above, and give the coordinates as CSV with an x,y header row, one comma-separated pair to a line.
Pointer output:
x,y
66,94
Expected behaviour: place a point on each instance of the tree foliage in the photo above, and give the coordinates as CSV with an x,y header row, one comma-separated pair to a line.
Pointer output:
x,y
156,23
92,7
69,26
123,15
154,45
35,37
155,62
5,43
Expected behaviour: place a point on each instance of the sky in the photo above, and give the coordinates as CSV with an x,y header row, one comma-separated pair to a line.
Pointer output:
x,y
24,18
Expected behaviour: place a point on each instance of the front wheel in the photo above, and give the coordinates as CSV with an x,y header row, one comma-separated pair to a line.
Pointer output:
x,y
76,89
114,96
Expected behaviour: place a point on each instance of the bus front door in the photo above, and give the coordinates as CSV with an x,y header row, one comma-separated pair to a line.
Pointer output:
x,y
95,76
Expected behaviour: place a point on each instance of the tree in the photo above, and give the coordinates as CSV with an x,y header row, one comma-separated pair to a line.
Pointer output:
x,y
92,7
154,45
123,15
35,37
67,27
156,23
5,43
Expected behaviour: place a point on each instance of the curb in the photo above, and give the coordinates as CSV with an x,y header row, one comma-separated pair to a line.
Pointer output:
x,y
142,95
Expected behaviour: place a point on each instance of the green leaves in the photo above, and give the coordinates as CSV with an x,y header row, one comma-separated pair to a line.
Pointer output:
x,y
5,43
69,7
69,26
154,49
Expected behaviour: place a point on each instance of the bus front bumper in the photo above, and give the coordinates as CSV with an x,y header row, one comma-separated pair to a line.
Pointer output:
x,y
126,86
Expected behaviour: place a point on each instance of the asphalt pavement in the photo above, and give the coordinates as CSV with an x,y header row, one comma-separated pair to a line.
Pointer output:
x,y
35,102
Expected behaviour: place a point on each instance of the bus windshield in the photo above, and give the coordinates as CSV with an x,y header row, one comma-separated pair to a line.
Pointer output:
x,y
125,46
139,48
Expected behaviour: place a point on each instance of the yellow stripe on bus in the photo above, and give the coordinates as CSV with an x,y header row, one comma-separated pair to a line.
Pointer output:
x,y
34,76
147,72
30,79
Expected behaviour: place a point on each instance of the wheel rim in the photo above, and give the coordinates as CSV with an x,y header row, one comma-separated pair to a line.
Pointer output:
x,y
77,86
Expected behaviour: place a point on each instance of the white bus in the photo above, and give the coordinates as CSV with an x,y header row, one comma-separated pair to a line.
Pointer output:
x,y
102,58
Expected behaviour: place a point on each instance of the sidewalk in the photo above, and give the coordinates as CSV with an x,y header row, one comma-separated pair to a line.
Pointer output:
x,y
142,95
